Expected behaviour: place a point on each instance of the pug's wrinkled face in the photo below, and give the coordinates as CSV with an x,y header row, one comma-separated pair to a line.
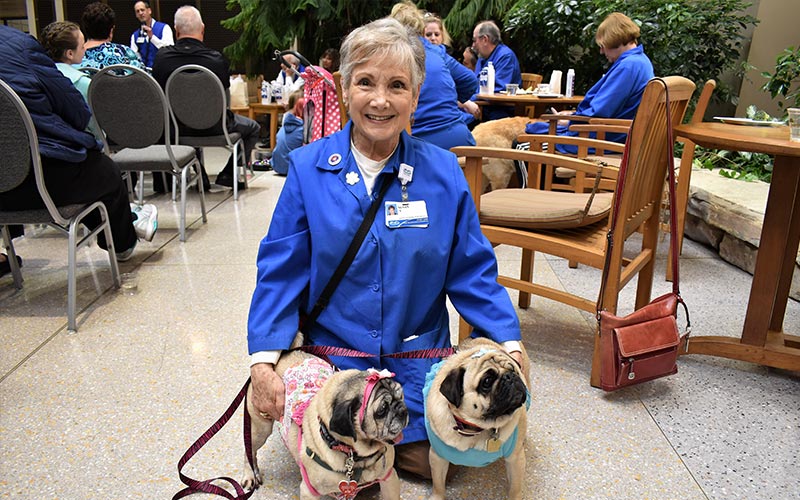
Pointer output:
x,y
389,413
385,415
486,389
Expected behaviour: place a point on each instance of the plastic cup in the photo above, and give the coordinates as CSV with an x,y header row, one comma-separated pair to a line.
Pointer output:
x,y
129,283
511,89
794,124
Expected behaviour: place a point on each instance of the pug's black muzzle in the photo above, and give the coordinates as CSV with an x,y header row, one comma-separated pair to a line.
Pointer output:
x,y
509,394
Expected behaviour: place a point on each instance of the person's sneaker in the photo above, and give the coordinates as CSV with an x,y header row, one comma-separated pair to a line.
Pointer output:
x,y
145,220
227,181
127,254
262,165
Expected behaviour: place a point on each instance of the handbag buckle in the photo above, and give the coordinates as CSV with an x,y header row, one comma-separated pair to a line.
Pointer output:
x,y
631,374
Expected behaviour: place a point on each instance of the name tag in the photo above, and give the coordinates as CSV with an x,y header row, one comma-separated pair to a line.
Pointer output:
x,y
141,39
406,214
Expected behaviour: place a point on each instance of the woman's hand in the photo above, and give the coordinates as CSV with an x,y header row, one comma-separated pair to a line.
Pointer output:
x,y
268,391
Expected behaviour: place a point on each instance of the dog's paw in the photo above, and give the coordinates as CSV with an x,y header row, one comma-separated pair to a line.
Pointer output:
x,y
252,479
436,496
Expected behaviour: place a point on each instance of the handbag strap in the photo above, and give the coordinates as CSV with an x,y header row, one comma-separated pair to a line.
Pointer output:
x,y
341,269
673,222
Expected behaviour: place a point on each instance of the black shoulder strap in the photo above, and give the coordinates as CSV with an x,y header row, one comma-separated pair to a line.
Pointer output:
x,y
352,250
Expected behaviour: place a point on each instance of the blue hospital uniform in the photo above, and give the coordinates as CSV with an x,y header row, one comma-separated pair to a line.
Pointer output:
x,y
616,95
506,70
447,82
392,298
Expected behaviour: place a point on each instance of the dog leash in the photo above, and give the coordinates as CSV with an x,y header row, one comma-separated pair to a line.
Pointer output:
x,y
195,486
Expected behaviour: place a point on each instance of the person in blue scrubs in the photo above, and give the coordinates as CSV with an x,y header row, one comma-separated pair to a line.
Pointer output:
x,y
393,296
487,42
618,93
438,118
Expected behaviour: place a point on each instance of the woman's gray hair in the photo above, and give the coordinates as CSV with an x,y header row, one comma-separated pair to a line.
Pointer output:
x,y
384,39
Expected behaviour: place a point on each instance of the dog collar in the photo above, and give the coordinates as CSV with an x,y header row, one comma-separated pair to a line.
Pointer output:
x,y
372,380
466,428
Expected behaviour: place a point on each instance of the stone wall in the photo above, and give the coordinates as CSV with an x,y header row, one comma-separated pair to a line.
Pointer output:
x,y
726,214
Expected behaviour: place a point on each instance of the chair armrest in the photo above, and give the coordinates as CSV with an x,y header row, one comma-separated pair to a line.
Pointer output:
x,y
624,122
538,140
554,118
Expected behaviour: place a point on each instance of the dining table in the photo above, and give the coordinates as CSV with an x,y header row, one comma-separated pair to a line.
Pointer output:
x,y
538,105
272,109
763,340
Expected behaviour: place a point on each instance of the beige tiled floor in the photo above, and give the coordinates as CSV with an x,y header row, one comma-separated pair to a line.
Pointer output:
x,y
107,412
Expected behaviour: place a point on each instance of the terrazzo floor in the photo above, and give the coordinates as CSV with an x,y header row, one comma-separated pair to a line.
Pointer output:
x,y
108,411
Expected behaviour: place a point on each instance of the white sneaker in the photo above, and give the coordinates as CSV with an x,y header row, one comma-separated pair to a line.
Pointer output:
x,y
127,254
145,220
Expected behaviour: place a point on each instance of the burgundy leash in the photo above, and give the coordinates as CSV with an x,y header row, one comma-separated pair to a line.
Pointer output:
x,y
195,486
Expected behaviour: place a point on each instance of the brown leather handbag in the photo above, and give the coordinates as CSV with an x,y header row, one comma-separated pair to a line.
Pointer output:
x,y
643,345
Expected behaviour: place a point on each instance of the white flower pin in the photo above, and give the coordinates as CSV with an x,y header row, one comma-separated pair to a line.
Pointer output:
x,y
351,178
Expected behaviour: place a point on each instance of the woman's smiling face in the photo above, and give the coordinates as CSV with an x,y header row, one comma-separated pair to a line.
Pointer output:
x,y
381,99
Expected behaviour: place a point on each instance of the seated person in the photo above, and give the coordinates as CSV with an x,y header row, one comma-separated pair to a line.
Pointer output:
x,y
618,93
97,21
437,118
75,169
64,43
435,31
329,60
489,45
190,49
290,136
290,75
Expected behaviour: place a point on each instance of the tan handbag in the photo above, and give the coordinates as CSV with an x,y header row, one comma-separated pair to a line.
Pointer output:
x,y
643,345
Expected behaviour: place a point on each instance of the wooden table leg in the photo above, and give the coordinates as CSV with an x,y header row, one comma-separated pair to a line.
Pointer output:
x,y
777,250
273,127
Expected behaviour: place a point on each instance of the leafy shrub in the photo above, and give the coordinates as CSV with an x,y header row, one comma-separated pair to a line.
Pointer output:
x,y
698,39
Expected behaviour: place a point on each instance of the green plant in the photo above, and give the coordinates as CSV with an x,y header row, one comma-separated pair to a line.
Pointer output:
x,y
735,164
698,39
786,79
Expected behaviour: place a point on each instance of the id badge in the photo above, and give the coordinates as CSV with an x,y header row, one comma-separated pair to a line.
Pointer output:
x,y
141,39
406,214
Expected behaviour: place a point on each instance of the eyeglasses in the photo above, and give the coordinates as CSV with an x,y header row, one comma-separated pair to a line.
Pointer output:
x,y
476,38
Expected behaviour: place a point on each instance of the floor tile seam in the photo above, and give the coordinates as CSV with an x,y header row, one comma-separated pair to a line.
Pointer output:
x,y
82,310
674,449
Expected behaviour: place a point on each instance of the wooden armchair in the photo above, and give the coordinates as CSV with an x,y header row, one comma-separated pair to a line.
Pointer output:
x,y
585,242
531,80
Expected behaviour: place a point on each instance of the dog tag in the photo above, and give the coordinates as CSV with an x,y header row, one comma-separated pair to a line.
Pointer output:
x,y
348,488
493,445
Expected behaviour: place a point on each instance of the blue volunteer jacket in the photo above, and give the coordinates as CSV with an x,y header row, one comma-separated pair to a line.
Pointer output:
x,y
392,298
616,95
506,70
438,117
57,109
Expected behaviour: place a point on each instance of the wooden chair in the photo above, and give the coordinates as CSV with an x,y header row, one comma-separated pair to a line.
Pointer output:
x,y
337,80
586,242
530,80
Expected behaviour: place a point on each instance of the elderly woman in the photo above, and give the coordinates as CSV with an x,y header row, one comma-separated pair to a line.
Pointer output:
x,y
392,297
618,93
97,21
438,118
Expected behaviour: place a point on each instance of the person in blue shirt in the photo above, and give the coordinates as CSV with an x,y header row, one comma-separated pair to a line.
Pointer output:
x,y
618,93
151,35
489,45
290,136
393,296
438,118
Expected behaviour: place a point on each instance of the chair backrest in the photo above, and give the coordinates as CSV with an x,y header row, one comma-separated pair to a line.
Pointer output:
x,y
129,106
197,98
19,148
337,80
531,80
647,153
